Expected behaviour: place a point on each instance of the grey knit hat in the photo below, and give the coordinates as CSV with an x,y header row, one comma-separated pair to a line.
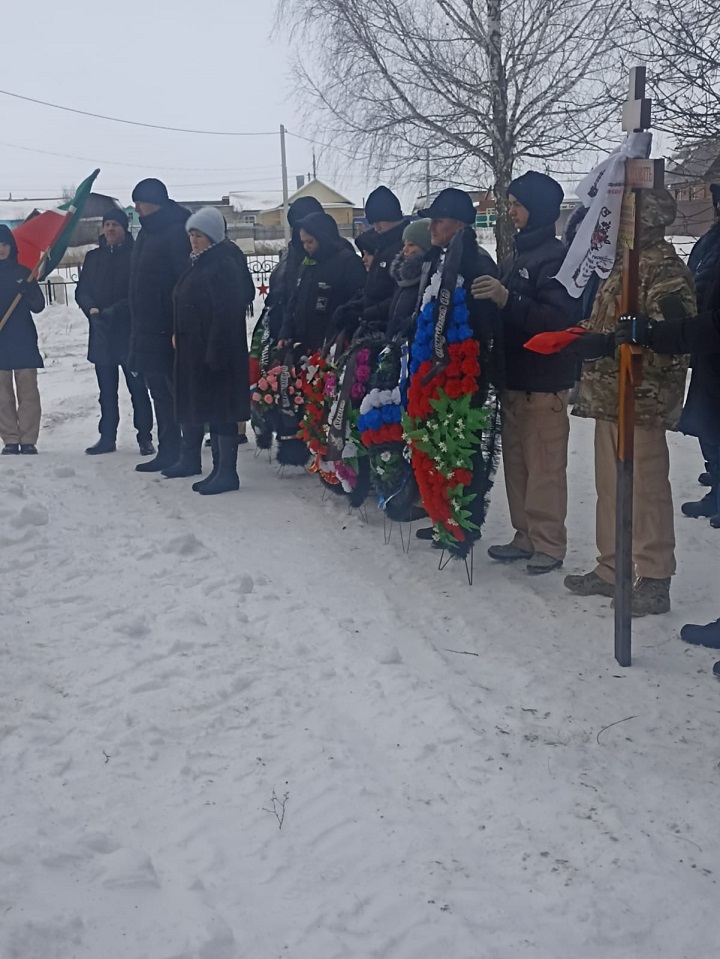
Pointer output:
x,y
209,221
418,232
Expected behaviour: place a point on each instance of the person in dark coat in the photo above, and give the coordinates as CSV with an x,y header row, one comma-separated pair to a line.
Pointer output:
x,y
102,295
703,262
372,307
536,388
406,270
331,274
159,256
283,279
20,358
212,375
699,336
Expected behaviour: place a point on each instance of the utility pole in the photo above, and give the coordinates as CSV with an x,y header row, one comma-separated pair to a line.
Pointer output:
x,y
286,205
314,166
427,175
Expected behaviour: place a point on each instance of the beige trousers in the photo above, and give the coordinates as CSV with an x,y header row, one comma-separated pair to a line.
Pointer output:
x,y
19,414
653,527
535,431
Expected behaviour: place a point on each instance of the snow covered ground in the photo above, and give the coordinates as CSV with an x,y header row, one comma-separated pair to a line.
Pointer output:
x,y
453,783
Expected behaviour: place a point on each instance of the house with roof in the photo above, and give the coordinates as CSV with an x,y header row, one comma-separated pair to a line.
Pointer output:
x,y
340,208
688,176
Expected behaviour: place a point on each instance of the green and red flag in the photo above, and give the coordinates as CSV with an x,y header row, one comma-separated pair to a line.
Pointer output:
x,y
43,239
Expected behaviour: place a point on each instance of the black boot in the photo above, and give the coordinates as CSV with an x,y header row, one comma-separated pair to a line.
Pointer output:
x,y
214,446
162,461
189,462
105,444
707,506
708,636
226,478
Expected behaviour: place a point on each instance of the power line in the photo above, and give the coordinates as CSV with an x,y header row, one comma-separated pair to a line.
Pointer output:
x,y
138,123
180,169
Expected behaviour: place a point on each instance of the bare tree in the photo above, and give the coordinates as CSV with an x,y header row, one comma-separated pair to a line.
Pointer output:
x,y
484,86
679,40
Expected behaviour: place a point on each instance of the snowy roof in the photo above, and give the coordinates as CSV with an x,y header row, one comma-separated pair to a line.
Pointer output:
x,y
21,209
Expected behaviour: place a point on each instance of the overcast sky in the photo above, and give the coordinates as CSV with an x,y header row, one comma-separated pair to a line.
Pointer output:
x,y
201,64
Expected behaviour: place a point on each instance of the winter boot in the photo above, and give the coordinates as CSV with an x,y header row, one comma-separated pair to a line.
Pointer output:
x,y
707,506
10,449
708,636
226,479
589,584
146,447
214,446
705,479
715,521
189,462
103,445
160,462
651,597
542,563
28,449
509,553
716,669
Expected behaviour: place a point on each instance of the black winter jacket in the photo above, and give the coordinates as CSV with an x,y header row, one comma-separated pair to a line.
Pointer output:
x,y
212,378
18,338
703,261
329,280
537,303
103,285
159,256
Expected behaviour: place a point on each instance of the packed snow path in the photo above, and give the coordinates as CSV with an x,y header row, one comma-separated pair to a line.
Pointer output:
x,y
453,786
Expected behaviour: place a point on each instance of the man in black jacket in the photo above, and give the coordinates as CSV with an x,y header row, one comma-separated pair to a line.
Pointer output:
x,y
160,255
102,295
703,262
536,388
372,308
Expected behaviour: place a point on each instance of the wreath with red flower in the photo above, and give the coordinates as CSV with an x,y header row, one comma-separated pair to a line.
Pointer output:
x,y
319,384
443,426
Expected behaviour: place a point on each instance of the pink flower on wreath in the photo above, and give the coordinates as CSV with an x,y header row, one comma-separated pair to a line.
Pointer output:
x,y
345,472
330,384
262,383
362,373
256,397
298,400
363,356
268,399
357,391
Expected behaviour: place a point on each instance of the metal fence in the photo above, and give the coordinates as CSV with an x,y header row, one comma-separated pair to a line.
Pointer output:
x,y
60,286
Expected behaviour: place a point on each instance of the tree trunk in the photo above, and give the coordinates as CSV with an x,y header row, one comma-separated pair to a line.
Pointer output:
x,y
501,149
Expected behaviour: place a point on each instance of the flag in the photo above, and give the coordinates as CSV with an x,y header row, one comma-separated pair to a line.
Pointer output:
x,y
554,341
49,232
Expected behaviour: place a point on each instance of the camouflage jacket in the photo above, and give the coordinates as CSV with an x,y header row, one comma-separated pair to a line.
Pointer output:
x,y
659,398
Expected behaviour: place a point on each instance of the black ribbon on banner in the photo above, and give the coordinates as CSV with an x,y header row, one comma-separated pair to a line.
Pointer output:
x,y
338,418
443,304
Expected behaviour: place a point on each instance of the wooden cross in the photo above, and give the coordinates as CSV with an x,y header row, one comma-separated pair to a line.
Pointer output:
x,y
639,175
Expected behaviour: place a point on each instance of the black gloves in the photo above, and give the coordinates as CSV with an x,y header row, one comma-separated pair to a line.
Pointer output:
x,y
635,330
592,346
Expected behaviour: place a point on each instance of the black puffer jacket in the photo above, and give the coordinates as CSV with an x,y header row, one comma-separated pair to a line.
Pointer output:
x,y
212,378
537,303
329,279
406,272
159,256
703,261
103,285
18,338
701,413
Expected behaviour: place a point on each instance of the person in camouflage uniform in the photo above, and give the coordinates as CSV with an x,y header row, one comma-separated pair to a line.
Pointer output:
x,y
658,406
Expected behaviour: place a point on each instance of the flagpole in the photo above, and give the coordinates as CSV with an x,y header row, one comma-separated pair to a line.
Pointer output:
x,y
33,275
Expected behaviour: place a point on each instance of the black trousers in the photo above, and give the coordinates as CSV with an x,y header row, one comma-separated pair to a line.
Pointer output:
x,y
108,378
161,390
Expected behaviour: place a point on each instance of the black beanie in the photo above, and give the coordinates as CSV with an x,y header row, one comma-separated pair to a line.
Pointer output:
x,y
150,191
451,204
540,195
118,216
6,236
382,204
302,207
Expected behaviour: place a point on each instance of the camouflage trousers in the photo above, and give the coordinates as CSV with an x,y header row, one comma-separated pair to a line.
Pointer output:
x,y
653,544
